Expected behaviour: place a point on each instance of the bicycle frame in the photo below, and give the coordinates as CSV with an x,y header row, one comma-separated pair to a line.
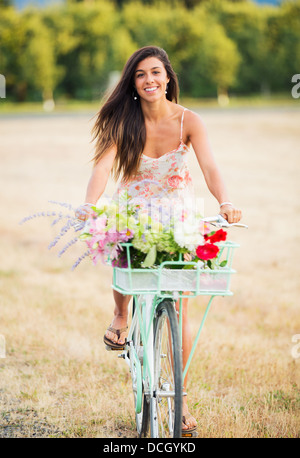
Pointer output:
x,y
146,302
154,291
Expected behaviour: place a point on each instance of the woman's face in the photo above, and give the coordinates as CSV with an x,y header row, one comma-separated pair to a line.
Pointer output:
x,y
151,79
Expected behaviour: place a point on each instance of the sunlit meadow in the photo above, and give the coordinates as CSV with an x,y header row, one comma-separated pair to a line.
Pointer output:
x,y
57,379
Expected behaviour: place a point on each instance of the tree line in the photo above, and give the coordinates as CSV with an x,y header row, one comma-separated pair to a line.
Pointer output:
x,y
217,46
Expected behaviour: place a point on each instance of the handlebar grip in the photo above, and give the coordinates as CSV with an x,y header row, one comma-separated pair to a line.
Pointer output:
x,y
219,221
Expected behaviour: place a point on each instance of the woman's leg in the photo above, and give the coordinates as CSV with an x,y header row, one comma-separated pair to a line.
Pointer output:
x,y
120,317
186,349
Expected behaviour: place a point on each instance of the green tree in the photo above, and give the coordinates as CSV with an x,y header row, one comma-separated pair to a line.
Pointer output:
x,y
161,26
284,44
90,42
5,3
89,46
28,60
201,53
12,38
217,60
214,45
61,25
37,57
247,25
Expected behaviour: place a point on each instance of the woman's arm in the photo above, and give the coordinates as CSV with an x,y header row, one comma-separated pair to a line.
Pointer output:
x,y
198,137
98,181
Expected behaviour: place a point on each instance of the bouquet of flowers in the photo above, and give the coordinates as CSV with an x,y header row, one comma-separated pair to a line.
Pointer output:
x,y
158,232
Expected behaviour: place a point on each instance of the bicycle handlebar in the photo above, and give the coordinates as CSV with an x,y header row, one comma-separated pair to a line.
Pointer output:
x,y
219,221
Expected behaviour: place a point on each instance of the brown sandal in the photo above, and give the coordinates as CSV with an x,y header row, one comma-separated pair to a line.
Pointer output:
x,y
113,345
187,431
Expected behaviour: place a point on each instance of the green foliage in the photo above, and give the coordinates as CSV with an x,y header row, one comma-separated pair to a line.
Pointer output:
x,y
201,53
37,59
215,46
213,58
11,39
28,59
81,43
284,42
267,39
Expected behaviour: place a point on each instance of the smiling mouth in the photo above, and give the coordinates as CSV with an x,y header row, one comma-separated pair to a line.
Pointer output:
x,y
151,89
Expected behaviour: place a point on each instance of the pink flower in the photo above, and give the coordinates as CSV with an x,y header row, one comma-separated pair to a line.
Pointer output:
x,y
126,235
204,228
187,178
97,225
112,236
174,181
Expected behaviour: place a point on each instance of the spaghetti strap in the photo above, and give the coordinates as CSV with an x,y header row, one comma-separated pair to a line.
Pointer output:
x,y
181,127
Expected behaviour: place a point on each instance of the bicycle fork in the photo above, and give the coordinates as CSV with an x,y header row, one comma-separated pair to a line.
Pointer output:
x,y
148,311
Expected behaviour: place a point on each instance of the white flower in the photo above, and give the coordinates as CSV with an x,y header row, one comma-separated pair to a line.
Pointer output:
x,y
187,234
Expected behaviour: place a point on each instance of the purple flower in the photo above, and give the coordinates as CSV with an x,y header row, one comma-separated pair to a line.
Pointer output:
x,y
80,259
121,259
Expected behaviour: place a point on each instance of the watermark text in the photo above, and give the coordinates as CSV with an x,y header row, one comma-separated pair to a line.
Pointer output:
x,y
296,88
2,87
296,348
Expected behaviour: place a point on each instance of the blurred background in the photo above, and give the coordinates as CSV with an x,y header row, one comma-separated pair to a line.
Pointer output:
x,y
55,51
235,62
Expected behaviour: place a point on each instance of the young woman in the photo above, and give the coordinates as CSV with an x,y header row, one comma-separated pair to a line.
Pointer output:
x,y
143,136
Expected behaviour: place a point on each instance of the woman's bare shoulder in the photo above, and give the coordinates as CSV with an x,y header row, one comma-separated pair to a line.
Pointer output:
x,y
193,122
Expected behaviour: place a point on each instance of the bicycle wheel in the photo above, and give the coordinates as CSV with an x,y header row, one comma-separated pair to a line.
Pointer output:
x,y
166,405
141,403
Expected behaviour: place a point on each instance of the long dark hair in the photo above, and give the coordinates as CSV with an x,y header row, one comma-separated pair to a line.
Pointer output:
x,y
120,121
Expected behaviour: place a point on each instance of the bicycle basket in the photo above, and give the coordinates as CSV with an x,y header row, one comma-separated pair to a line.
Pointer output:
x,y
163,280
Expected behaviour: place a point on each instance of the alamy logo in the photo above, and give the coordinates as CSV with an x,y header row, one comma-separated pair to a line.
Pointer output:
x,y
2,87
296,348
296,88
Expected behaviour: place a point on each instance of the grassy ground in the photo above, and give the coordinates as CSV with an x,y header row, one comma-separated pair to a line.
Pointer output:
x,y
57,380
73,106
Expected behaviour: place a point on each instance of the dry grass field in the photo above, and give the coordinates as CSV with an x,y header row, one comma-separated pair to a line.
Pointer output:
x,y
57,380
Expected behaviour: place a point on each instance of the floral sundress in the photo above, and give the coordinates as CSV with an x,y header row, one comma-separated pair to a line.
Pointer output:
x,y
166,177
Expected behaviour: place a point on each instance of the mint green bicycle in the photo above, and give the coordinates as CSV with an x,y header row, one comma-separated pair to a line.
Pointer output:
x,y
153,346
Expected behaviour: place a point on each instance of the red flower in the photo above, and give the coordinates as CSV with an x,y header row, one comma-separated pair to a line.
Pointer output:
x,y
216,237
207,251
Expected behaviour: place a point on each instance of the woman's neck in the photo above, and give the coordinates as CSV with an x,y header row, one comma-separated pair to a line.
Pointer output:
x,y
155,111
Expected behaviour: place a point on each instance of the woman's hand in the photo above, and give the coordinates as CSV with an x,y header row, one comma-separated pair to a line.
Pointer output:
x,y
83,212
232,214
187,257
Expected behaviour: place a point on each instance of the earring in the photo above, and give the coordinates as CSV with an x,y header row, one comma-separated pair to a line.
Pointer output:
x,y
166,91
134,95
